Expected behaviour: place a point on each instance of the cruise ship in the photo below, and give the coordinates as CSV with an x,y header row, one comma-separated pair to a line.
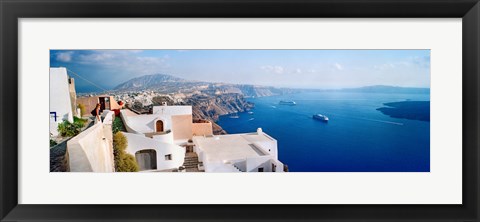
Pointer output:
x,y
320,117
290,103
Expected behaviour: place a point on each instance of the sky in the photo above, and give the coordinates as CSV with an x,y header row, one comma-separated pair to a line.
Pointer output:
x,y
314,69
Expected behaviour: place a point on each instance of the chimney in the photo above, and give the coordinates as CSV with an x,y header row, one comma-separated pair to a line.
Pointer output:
x,y
259,131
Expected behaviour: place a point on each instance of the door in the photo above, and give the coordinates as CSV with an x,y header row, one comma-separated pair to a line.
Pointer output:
x,y
102,103
159,126
107,103
146,159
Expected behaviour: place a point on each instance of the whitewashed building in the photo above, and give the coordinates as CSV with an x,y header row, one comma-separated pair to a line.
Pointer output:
x,y
158,141
60,100
168,139
248,152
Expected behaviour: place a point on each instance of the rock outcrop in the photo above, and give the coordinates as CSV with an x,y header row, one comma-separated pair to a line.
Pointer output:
x,y
211,107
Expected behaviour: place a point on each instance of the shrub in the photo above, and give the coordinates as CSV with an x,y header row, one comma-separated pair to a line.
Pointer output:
x,y
118,125
124,162
82,108
128,164
68,129
52,143
79,122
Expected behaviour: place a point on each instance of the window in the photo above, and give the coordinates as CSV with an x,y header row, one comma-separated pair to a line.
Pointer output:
x,y
168,157
260,169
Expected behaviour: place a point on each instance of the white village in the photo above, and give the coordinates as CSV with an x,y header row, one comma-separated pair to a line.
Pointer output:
x,y
167,139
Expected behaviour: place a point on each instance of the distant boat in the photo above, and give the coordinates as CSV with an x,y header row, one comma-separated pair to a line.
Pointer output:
x,y
274,107
289,102
320,117
250,113
234,116
251,119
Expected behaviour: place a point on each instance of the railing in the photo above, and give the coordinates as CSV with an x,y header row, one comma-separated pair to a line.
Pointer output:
x,y
241,165
237,168
232,167
108,117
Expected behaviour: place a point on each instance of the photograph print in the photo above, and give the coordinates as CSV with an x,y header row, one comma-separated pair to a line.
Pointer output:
x,y
239,111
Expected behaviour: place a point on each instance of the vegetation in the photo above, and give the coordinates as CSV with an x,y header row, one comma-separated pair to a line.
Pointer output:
x,y
124,162
68,129
82,108
118,125
52,143
79,121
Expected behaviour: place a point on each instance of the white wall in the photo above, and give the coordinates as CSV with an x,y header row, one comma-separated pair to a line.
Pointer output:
x,y
172,110
267,144
144,123
164,138
218,167
262,161
108,117
91,150
278,165
60,101
138,142
269,147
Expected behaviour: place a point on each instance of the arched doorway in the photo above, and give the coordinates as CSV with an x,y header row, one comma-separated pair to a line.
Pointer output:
x,y
159,126
146,159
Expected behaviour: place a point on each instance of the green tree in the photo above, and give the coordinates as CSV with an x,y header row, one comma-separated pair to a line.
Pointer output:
x,y
124,162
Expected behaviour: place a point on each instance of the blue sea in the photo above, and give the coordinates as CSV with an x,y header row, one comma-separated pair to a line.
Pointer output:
x,y
357,138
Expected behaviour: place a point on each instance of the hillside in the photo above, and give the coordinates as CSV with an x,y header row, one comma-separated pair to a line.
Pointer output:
x,y
147,81
163,83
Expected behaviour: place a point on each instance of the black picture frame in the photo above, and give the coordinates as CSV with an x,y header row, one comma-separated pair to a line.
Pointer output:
x,y
11,11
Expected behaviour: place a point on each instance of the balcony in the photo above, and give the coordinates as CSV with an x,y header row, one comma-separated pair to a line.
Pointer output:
x,y
157,133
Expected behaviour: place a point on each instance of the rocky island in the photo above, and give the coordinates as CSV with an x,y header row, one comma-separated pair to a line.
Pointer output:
x,y
413,110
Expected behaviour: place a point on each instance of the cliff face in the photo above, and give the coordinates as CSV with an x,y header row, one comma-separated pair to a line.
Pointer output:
x,y
258,91
211,108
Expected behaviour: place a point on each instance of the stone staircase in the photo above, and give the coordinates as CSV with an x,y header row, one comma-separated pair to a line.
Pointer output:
x,y
236,167
191,162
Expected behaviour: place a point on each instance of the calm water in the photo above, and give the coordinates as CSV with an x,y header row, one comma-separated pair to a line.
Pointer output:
x,y
358,138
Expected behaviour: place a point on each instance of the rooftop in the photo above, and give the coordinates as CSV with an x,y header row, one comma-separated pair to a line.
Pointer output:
x,y
233,146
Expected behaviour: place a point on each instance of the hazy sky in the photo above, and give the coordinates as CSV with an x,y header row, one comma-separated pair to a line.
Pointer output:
x,y
281,68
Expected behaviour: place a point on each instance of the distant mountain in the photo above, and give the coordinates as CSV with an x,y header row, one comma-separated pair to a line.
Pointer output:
x,y
148,81
388,89
169,84
260,91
